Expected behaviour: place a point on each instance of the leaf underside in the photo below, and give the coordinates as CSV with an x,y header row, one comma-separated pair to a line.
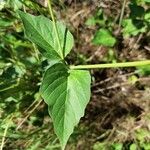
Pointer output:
x,y
67,93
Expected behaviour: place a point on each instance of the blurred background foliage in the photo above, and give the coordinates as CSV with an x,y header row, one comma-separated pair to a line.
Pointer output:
x,y
24,120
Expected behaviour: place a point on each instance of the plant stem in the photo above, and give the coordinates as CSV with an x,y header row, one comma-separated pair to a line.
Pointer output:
x,y
55,28
5,132
113,65
122,13
3,139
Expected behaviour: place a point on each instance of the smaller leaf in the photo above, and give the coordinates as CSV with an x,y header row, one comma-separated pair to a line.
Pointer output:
x,y
130,29
136,11
133,146
147,17
144,70
117,146
104,37
5,23
91,21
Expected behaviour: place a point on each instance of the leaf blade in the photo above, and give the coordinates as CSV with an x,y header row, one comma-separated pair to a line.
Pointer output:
x,y
66,99
40,30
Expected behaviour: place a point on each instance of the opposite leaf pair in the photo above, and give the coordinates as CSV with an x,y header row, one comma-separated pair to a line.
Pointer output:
x,y
66,91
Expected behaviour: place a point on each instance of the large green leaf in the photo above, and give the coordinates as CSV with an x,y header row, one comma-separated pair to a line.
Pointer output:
x,y
67,93
40,31
104,37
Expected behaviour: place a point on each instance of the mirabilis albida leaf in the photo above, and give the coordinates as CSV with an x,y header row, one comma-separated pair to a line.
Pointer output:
x,y
40,30
66,91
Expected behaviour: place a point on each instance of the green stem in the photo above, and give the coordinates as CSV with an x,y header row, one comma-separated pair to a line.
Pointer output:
x,y
113,65
122,13
5,132
55,28
4,135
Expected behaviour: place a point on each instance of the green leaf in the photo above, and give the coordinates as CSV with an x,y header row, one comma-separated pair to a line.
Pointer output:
x,y
117,146
67,92
5,23
104,37
130,29
101,146
40,30
136,11
147,17
91,21
133,146
144,70
15,4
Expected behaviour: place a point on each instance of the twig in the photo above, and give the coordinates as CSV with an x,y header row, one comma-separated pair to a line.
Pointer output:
x,y
77,14
111,78
112,87
135,46
147,48
30,106
4,135
122,13
120,85
5,132
29,114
